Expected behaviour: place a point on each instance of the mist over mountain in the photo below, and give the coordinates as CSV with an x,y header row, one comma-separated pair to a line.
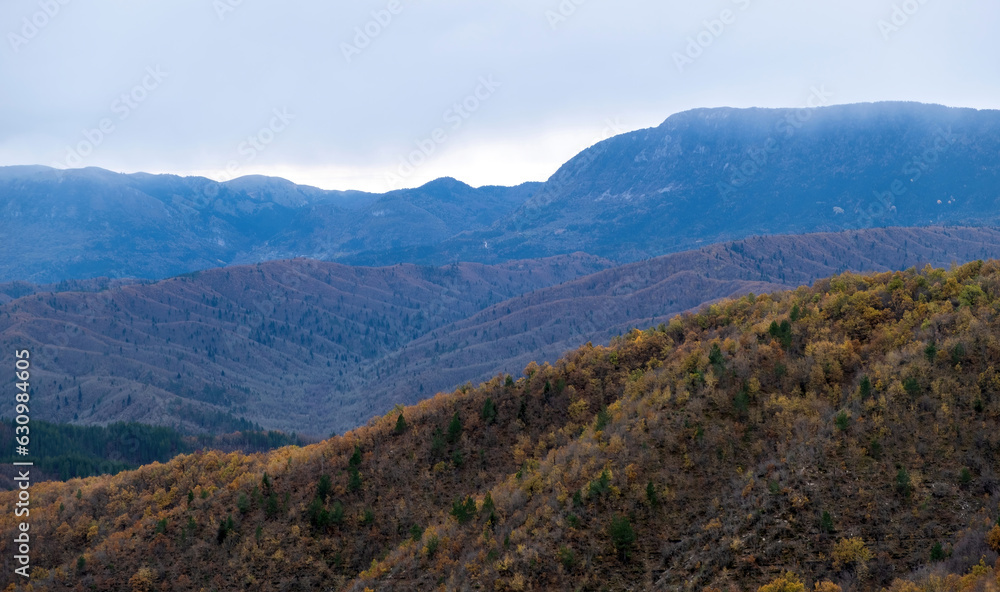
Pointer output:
x,y
712,175
703,176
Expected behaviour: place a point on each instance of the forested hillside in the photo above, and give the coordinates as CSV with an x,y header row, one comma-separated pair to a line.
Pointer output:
x,y
64,451
316,347
542,324
281,344
845,433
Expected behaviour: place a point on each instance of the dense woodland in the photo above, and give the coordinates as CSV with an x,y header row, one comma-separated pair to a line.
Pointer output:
x,y
65,451
286,345
316,347
837,437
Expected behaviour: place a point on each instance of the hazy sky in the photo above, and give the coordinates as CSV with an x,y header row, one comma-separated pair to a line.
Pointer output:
x,y
380,94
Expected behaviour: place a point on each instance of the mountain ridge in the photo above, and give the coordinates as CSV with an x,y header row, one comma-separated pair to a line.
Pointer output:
x,y
700,177
672,181
350,342
92,222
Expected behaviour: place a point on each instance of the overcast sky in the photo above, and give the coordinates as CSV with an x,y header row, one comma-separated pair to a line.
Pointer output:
x,y
381,94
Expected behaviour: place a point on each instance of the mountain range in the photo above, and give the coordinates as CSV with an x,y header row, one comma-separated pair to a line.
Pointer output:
x,y
771,381
91,222
712,175
317,347
703,176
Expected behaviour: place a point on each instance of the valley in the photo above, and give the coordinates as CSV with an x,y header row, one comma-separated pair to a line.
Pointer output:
x,y
318,348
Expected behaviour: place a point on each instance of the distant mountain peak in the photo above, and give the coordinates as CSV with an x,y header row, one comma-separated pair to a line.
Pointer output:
x,y
449,183
733,173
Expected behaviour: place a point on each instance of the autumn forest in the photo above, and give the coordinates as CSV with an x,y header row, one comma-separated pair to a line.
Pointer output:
x,y
840,436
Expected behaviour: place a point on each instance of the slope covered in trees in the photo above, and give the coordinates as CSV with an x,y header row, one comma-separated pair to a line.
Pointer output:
x,y
543,324
281,344
318,347
844,432
64,451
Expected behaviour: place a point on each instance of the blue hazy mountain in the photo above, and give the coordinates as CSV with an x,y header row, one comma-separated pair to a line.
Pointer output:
x,y
702,177
91,222
711,175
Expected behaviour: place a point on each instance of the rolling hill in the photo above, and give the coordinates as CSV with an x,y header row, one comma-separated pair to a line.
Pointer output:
x,y
314,348
841,435
542,324
280,344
